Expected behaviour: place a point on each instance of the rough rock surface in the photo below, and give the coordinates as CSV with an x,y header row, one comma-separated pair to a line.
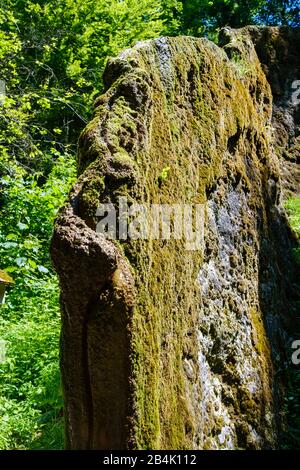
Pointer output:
x,y
278,50
164,347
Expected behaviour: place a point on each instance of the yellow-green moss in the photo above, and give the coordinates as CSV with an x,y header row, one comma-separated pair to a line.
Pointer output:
x,y
259,334
92,189
186,129
5,278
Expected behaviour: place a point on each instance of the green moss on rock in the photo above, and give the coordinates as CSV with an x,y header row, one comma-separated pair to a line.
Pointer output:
x,y
194,108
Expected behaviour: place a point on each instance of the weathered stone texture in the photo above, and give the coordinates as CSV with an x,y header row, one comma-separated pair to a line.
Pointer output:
x,y
164,347
278,50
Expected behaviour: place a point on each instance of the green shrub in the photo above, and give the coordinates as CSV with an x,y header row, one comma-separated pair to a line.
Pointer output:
x,y
292,402
31,399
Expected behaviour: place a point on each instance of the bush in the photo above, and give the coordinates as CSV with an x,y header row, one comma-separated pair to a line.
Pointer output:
x,y
31,398
292,405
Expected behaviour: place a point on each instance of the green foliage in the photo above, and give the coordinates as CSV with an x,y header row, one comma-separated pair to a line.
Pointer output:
x,y
198,17
293,208
27,215
54,54
164,175
31,400
280,12
292,405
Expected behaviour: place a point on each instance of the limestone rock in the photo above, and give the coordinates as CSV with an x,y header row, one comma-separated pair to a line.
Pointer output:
x,y
278,49
165,347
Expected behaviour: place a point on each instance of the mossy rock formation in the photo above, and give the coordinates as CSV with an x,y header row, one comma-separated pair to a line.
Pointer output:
x,y
165,347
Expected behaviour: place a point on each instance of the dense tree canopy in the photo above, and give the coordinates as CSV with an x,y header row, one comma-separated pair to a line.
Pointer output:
x,y
53,53
280,12
201,16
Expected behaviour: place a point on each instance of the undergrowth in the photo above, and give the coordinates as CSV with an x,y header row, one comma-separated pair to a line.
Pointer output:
x,y
292,405
31,405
